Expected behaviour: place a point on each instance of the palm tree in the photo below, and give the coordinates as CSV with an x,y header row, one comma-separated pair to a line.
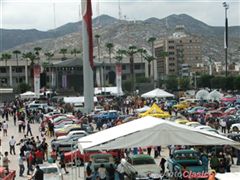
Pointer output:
x,y
109,47
5,57
37,50
63,51
17,52
49,56
75,52
32,57
130,52
142,51
149,59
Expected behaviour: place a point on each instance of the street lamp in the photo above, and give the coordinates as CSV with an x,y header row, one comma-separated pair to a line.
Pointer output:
x,y
226,6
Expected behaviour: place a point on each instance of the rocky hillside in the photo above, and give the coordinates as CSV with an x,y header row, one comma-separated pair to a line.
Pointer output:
x,y
122,33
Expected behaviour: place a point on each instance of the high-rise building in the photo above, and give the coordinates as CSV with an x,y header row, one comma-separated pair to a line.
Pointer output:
x,y
184,52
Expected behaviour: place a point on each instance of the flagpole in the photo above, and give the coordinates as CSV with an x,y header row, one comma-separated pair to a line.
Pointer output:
x,y
87,55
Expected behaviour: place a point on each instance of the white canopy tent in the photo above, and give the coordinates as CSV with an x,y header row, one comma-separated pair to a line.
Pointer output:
x,y
76,100
111,90
202,94
215,95
150,131
28,95
157,93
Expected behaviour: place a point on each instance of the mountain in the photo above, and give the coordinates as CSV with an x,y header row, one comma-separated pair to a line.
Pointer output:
x,y
122,33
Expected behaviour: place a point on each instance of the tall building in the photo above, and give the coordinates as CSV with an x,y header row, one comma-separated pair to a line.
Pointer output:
x,y
184,52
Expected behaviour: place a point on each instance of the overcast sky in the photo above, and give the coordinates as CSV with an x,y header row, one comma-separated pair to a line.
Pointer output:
x,y
39,14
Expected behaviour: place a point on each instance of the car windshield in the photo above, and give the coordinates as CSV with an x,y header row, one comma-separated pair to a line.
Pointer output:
x,y
143,161
102,160
50,170
190,156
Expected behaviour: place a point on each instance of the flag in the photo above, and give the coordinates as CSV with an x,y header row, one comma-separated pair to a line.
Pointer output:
x,y
87,41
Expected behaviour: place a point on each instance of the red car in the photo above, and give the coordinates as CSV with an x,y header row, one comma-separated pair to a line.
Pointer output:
x,y
10,176
77,158
213,114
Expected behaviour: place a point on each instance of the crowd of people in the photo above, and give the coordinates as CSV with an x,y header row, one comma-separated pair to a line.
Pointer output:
x,y
33,149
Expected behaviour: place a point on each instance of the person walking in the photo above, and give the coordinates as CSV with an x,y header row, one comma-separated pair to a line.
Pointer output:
x,y
5,128
12,144
62,162
21,165
102,172
29,129
89,173
6,162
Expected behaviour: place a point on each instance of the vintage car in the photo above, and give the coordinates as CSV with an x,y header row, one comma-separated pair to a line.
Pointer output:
x,y
141,167
107,115
51,171
77,158
103,158
66,130
186,160
182,105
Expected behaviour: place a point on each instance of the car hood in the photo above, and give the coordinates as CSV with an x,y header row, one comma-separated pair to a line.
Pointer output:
x,y
52,176
146,169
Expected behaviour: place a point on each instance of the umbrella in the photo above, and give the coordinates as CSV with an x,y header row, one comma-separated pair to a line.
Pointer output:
x,y
202,94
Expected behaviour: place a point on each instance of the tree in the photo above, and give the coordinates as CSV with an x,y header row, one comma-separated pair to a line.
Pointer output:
x,y
229,83
184,83
149,59
130,52
75,52
142,52
109,47
17,52
236,83
63,51
119,55
5,57
171,83
23,87
205,81
218,82
49,56
32,57
37,50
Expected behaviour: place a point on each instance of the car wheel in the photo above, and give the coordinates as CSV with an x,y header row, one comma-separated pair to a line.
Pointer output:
x,y
235,129
78,162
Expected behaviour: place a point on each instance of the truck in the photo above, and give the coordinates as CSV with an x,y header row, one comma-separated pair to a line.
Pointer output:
x,y
184,162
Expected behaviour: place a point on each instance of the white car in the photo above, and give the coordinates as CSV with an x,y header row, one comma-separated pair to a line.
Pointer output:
x,y
72,133
98,108
51,171
203,127
235,127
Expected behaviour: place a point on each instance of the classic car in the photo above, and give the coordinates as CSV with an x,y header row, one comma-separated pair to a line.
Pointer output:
x,y
51,171
103,158
186,160
141,167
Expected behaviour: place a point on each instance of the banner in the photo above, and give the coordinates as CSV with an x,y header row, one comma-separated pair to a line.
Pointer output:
x,y
37,72
119,79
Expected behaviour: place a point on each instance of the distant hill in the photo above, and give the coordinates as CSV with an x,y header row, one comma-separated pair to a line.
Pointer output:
x,y
122,33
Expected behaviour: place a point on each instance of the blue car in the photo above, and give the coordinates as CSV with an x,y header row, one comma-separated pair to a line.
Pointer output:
x,y
108,115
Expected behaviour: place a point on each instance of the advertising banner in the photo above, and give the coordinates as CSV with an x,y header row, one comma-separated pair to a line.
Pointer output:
x,y
36,72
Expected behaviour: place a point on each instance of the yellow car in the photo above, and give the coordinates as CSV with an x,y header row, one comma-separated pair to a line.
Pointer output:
x,y
67,129
181,121
181,105
193,124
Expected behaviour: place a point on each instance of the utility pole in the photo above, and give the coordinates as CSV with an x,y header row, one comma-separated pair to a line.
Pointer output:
x,y
226,6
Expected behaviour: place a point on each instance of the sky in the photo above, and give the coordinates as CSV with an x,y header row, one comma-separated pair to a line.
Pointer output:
x,y
48,14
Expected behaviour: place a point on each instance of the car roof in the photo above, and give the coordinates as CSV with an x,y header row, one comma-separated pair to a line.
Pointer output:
x,y
140,156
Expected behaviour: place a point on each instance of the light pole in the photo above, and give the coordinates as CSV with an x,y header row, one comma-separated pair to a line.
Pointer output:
x,y
226,6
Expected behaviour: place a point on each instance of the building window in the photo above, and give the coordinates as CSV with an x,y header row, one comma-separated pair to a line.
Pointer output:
x,y
124,66
171,53
180,41
171,58
3,70
171,41
171,47
137,66
19,69
108,68
190,41
171,64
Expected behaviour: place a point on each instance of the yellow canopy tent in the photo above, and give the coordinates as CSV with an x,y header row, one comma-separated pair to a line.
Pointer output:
x,y
155,111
